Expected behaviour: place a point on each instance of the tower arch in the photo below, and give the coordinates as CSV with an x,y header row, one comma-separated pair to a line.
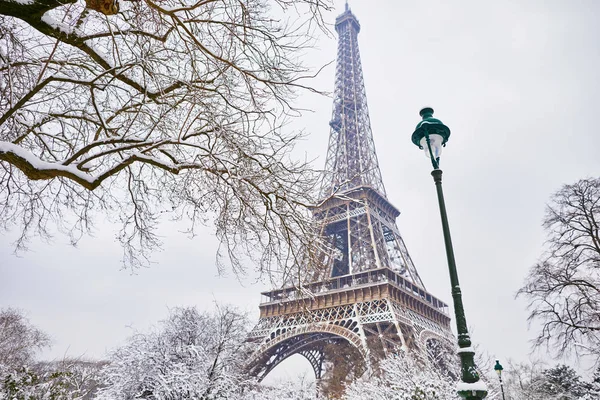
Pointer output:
x,y
315,342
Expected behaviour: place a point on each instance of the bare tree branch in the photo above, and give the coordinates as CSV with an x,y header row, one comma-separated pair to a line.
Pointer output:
x,y
563,289
144,109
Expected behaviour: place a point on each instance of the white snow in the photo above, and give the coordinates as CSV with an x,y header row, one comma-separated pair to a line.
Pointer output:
x,y
101,52
61,26
7,147
471,387
56,24
145,157
466,350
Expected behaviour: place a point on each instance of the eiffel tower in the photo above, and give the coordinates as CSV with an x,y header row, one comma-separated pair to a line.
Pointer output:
x,y
370,299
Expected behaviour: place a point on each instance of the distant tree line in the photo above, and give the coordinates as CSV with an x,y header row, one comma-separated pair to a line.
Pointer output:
x,y
23,377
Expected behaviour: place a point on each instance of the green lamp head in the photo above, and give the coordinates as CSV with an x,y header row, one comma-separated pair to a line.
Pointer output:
x,y
498,368
432,130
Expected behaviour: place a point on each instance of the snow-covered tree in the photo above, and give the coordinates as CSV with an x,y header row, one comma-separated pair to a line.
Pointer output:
x,y
297,389
562,382
594,387
191,355
521,380
563,288
64,380
531,381
404,377
28,384
143,109
24,378
19,339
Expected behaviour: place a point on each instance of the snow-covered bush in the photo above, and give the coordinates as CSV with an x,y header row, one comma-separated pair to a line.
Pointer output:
x,y
404,377
298,389
190,355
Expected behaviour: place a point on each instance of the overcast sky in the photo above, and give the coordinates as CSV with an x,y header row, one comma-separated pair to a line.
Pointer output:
x,y
516,82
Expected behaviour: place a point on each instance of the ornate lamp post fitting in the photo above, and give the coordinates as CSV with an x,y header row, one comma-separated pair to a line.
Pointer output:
x,y
498,368
432,135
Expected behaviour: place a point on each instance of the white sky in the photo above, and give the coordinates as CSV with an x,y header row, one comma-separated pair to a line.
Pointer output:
x,y
516,82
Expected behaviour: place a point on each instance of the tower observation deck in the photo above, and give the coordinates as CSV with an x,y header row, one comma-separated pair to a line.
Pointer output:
x,y
369,297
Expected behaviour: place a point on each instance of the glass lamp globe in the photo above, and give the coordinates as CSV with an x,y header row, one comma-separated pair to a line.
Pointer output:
x,y
436,142
435,130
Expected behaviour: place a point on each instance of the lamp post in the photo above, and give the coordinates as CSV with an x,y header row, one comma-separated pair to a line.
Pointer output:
x,y
498,368
431,135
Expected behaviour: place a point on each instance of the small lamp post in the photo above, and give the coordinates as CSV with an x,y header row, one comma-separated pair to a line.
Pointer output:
x,y
432,135
498,368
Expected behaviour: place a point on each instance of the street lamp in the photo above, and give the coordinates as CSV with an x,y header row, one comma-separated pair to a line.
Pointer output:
x,y
498,368
432,135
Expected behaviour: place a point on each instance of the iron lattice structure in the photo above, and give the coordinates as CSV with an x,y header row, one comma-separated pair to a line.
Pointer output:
x,y
369,296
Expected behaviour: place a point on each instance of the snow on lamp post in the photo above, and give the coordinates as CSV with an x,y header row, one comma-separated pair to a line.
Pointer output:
x,y
432,135
498,368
